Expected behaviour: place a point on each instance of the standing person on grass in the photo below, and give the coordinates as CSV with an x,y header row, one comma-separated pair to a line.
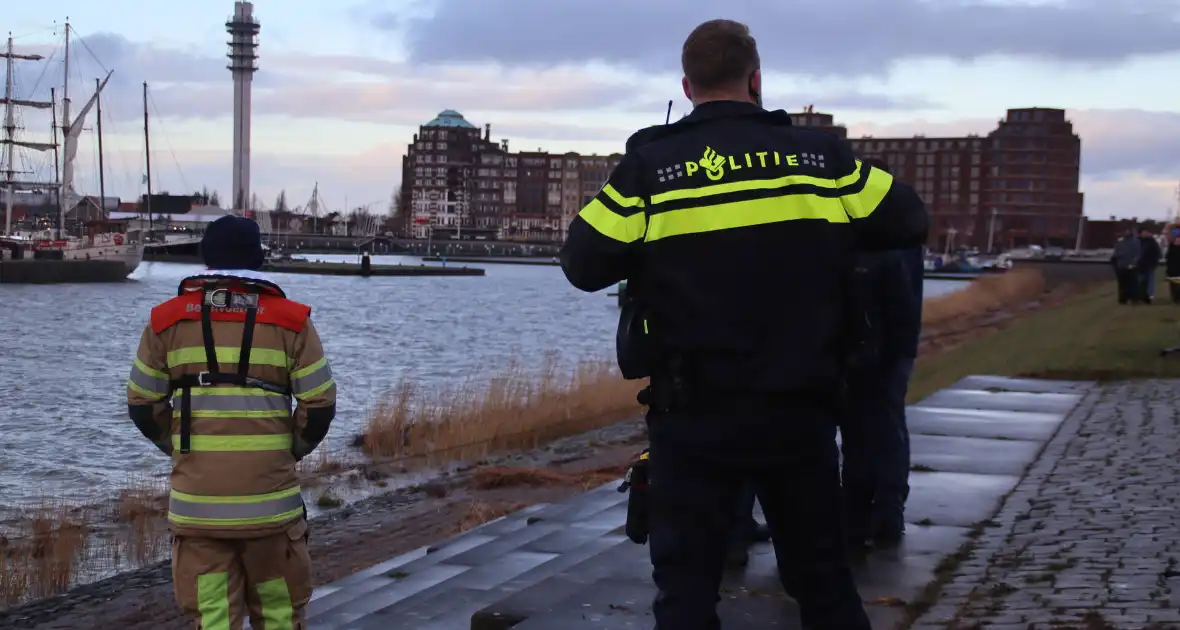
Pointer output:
x,y
1125,261
239,545
1149,261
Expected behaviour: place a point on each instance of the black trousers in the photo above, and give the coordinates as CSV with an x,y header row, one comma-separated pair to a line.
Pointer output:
x,y
699,464
1128,285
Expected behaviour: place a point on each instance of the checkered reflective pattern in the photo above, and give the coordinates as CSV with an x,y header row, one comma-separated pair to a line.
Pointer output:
x,y
671,172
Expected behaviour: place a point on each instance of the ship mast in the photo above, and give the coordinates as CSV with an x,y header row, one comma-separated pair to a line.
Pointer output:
x,y
9,140
71,130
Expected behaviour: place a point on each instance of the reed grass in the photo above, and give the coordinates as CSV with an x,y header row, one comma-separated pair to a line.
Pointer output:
x,y
987,293
517,409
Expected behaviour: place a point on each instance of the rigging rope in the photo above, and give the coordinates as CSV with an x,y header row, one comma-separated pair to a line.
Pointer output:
x,y
168,141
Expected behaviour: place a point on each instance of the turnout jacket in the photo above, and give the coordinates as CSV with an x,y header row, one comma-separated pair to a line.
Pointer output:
x,y
739,231
234,476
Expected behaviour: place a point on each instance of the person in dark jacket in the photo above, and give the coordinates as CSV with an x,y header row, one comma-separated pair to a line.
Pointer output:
x,y
1149,261
888,286
1125,260
1172,268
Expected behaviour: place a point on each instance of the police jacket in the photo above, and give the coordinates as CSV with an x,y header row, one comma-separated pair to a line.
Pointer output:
x,y
212,385
739,231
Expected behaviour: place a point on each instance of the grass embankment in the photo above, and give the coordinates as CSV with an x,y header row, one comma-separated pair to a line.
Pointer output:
x,y
1089,336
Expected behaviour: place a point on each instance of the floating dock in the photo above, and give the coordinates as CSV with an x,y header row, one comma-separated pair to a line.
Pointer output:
x,y
352,269
42,271
539,262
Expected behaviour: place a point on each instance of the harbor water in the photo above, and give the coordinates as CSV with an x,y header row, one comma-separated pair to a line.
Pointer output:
x,y
67,349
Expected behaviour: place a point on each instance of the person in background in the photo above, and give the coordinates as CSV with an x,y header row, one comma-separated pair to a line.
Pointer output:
x,y
1149,260
1125,260
1172,262
877,445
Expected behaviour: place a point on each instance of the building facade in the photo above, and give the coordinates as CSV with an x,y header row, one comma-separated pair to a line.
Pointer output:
x,y
1016,186
459,183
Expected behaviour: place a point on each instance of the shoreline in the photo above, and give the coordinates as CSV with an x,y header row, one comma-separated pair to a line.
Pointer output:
x,y
340,537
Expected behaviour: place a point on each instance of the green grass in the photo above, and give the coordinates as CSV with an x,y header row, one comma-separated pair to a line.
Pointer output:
x,y
1088,337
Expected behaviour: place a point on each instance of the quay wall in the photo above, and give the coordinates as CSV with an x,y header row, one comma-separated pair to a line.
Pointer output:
x,y
61,271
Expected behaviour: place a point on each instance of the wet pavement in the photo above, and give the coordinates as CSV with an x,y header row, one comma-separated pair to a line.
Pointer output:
x,y
567,566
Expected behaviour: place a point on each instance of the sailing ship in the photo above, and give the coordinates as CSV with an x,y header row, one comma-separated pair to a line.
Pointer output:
x,y
103,240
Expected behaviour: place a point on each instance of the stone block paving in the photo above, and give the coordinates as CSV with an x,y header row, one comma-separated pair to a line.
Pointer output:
x,y
1090,538
567,566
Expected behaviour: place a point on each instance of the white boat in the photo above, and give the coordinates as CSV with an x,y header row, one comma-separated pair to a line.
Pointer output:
x,y
101,240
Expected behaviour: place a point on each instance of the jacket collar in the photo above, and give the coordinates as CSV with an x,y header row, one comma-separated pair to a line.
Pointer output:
x,y
706,112
239,276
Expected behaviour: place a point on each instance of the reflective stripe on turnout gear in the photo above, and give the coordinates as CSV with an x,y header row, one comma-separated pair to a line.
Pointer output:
x,y
275,598
273,507
236,402
236,443
312,380
213,600
737,204
147,381
258,356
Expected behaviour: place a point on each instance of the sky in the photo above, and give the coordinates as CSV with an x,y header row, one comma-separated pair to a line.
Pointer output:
x,y
343,86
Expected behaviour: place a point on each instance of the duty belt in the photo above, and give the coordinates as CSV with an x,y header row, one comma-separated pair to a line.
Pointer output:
x,y
221,298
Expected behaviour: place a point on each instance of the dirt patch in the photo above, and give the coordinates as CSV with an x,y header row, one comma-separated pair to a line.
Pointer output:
x,y
349,541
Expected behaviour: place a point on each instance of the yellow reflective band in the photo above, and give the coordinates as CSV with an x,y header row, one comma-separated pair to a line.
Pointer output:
x,y
248,498
738,214
277,612
862,204
145,393
617,197
304,371
614,225
232,522
753,184
235,413
236,443
143,367
258,356
213,600
316,391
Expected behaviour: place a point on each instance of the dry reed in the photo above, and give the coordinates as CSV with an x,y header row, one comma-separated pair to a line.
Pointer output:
x,y
987,294
479,512
516,410
41,558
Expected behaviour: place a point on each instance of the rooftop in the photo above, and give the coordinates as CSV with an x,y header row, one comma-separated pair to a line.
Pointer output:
x,y
450,118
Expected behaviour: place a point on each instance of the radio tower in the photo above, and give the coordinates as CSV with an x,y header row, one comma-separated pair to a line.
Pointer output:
x,y
243,63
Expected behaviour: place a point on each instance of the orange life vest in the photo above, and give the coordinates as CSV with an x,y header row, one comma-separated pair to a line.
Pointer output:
x,y
273,307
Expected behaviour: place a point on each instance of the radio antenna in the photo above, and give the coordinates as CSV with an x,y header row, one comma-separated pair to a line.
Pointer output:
x,y
668,116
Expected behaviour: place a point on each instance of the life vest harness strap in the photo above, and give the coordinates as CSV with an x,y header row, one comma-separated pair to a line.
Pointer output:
x,y
213,374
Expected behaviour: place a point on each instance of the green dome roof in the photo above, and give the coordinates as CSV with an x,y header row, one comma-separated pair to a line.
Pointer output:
x,y
450,118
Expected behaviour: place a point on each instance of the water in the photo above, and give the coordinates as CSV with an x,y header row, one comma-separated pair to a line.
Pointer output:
x,y
67,350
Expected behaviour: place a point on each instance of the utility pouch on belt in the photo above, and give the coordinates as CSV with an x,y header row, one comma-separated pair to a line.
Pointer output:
x,y
632,341
635,482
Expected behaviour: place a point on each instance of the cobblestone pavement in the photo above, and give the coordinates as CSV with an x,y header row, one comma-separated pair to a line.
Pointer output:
x,y
1090,538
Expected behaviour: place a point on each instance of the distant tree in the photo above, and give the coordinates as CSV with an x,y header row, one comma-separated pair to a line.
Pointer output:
x,y
214,200
255,203
281,202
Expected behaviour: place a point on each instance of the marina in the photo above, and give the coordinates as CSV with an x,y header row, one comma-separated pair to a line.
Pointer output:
x,y
351,269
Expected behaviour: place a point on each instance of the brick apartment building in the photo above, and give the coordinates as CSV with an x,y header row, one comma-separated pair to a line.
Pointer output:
x,y
1014,187
458,182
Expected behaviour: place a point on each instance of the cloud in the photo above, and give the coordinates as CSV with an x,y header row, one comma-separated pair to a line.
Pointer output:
x,y
840,37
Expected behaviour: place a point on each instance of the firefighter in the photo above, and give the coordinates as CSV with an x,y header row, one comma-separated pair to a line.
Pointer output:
x,y
212,386
736,234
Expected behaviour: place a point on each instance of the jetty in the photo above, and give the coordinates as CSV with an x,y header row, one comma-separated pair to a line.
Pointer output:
x,y
47,271
540,262
353,269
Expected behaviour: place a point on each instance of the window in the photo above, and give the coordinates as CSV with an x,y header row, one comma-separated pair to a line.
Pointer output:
x,y
442,146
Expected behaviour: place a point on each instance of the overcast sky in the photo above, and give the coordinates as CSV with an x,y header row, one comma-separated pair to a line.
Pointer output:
x,y
341,91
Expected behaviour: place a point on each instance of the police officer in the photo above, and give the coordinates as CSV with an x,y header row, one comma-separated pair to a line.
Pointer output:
x,y
735,232
212,386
